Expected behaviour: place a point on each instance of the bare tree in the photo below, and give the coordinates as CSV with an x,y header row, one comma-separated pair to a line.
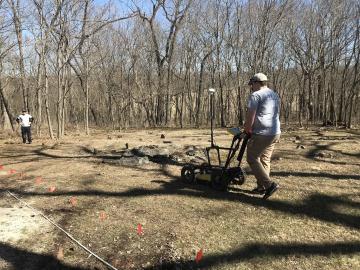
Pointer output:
x,y
94,66
17,18
164,52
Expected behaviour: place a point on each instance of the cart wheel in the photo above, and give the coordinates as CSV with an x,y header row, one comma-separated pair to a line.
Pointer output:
x,y
204,167
240,177
188,173
219,181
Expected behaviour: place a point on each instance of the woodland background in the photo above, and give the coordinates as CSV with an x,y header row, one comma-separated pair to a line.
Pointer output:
x,y
119,64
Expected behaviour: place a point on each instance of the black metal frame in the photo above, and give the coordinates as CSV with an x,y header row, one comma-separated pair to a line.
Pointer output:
x,y
221,174
235,144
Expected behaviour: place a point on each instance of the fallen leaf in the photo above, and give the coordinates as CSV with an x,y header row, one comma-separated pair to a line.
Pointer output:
x,y
52,189
12,171
1,167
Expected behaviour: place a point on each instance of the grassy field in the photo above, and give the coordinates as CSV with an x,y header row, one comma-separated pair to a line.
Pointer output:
x,y
312,222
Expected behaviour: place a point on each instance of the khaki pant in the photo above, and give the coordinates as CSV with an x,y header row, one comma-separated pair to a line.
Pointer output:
x,y
259,151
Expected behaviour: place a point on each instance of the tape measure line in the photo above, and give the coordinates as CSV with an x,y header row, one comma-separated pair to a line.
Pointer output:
x,y
65,232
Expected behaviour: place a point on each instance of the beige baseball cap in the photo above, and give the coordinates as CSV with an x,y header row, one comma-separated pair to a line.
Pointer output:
x,y
258,77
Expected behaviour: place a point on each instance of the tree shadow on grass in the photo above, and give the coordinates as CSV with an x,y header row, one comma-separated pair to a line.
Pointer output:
x,y
21,259
316,175
328,147
319,206
265,251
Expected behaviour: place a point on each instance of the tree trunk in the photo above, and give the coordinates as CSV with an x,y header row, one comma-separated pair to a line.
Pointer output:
x,y
39,97
7,107
47,110
86,81
19,35
59,97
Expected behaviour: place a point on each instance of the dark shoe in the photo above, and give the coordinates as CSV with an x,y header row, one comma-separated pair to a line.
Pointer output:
x,y
258,190
270,191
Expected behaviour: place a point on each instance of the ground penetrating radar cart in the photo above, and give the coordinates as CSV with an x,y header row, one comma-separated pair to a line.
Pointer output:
x,y
222,174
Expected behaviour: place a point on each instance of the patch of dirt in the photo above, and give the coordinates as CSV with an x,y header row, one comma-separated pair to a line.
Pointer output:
x,y
19,223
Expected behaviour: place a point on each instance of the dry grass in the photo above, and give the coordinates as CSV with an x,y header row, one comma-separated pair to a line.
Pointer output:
x,y
312,222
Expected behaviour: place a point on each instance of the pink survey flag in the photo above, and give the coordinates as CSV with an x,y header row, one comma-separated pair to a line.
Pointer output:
x,y
140,229
38,180
73,201
102,215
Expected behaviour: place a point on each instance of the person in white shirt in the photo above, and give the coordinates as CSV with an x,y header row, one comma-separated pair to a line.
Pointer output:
x,y
25,120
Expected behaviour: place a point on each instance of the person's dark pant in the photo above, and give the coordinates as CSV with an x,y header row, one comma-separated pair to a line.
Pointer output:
x,y
26,134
